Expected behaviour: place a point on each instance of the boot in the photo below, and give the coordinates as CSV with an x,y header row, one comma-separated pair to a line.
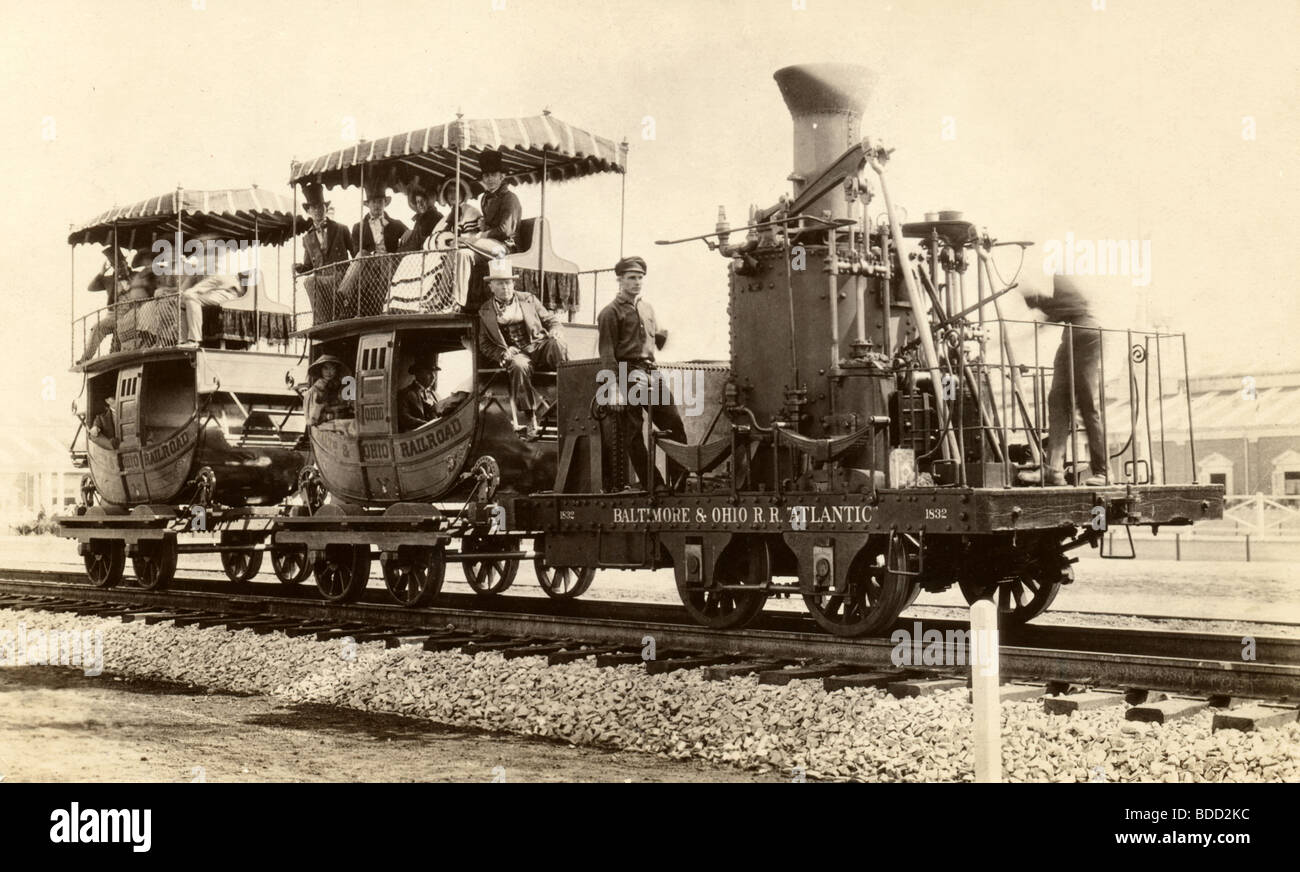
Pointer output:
x,y
1055,477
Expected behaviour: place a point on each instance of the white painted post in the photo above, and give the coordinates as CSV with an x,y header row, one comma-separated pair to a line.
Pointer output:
x,y
984,691
1259,513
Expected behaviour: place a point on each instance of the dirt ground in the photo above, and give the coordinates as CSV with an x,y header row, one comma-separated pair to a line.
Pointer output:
x,y
58,725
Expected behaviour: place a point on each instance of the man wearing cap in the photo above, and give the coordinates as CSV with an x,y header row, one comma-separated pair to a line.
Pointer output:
x,y
629,334
325,243
516,335
499,223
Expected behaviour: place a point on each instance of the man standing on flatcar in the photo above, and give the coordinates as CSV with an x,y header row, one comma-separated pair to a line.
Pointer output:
x,y
630,335
325,244
1071,305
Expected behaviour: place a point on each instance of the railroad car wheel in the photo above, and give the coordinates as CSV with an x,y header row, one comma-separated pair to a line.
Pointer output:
x,y
155,563
871,602
105,562
343,572
1021,598
240,566
491,577
414,575
746,563
563,582
290,564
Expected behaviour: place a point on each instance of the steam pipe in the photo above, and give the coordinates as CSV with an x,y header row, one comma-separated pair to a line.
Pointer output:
x,y
918,307
833,292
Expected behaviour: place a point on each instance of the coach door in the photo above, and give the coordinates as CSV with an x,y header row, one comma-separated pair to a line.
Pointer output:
x,y
130,453
375,420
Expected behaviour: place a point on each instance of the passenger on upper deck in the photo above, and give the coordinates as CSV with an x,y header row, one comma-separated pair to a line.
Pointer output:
x,y
501,211
364,289
456,199
215,283
325,243
426,220
325,397
517,334
115,279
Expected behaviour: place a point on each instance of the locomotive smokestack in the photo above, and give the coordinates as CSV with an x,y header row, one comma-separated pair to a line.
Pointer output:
x,y
826,103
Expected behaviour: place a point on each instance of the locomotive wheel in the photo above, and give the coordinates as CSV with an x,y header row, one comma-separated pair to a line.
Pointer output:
x,y
155,564
240,566
414,575
871,602
1021,598
105,562
563,582
343,572
290,564
744,563
491,577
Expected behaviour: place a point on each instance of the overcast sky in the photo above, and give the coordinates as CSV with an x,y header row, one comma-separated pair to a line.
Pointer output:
x,y
1145,120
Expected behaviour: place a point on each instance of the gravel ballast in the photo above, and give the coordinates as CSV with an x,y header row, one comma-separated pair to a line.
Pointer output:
x,y
857,733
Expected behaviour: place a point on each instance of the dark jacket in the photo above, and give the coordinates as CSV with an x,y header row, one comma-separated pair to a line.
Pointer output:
x,y
424,224
363,240
412,410
501,211
537,321
338,246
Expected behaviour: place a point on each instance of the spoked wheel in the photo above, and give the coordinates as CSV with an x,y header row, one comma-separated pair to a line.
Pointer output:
x,y
746,563
240,566
491,577
873,596
342,572
563,582
105,562
414,574
290,564
155,563
1024,596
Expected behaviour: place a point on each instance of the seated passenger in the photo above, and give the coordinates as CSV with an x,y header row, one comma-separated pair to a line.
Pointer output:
x,y
211,284
500,222
517,335
325,400
113,279
417,404
456,200
103,427
426,219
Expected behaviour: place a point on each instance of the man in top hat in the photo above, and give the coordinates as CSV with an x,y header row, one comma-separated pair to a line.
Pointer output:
x,y
325,400
325,244
364,289
629,334
516,335
499,222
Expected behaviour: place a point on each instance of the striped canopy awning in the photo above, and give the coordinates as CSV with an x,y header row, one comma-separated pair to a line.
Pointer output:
x,y
428,155
234,213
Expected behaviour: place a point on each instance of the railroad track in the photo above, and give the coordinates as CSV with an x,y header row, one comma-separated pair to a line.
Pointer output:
x,y
1141,663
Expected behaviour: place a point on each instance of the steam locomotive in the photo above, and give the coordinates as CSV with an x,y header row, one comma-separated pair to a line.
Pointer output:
x,y
862,443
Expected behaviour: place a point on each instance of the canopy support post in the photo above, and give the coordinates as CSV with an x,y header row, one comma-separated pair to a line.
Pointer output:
x,y
541,223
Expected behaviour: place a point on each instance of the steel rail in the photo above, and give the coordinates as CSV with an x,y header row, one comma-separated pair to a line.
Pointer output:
x,y
1226,674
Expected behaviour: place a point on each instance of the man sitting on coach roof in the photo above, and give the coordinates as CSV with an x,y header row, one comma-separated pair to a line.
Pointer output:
x,y
500,222
517,335
219,283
